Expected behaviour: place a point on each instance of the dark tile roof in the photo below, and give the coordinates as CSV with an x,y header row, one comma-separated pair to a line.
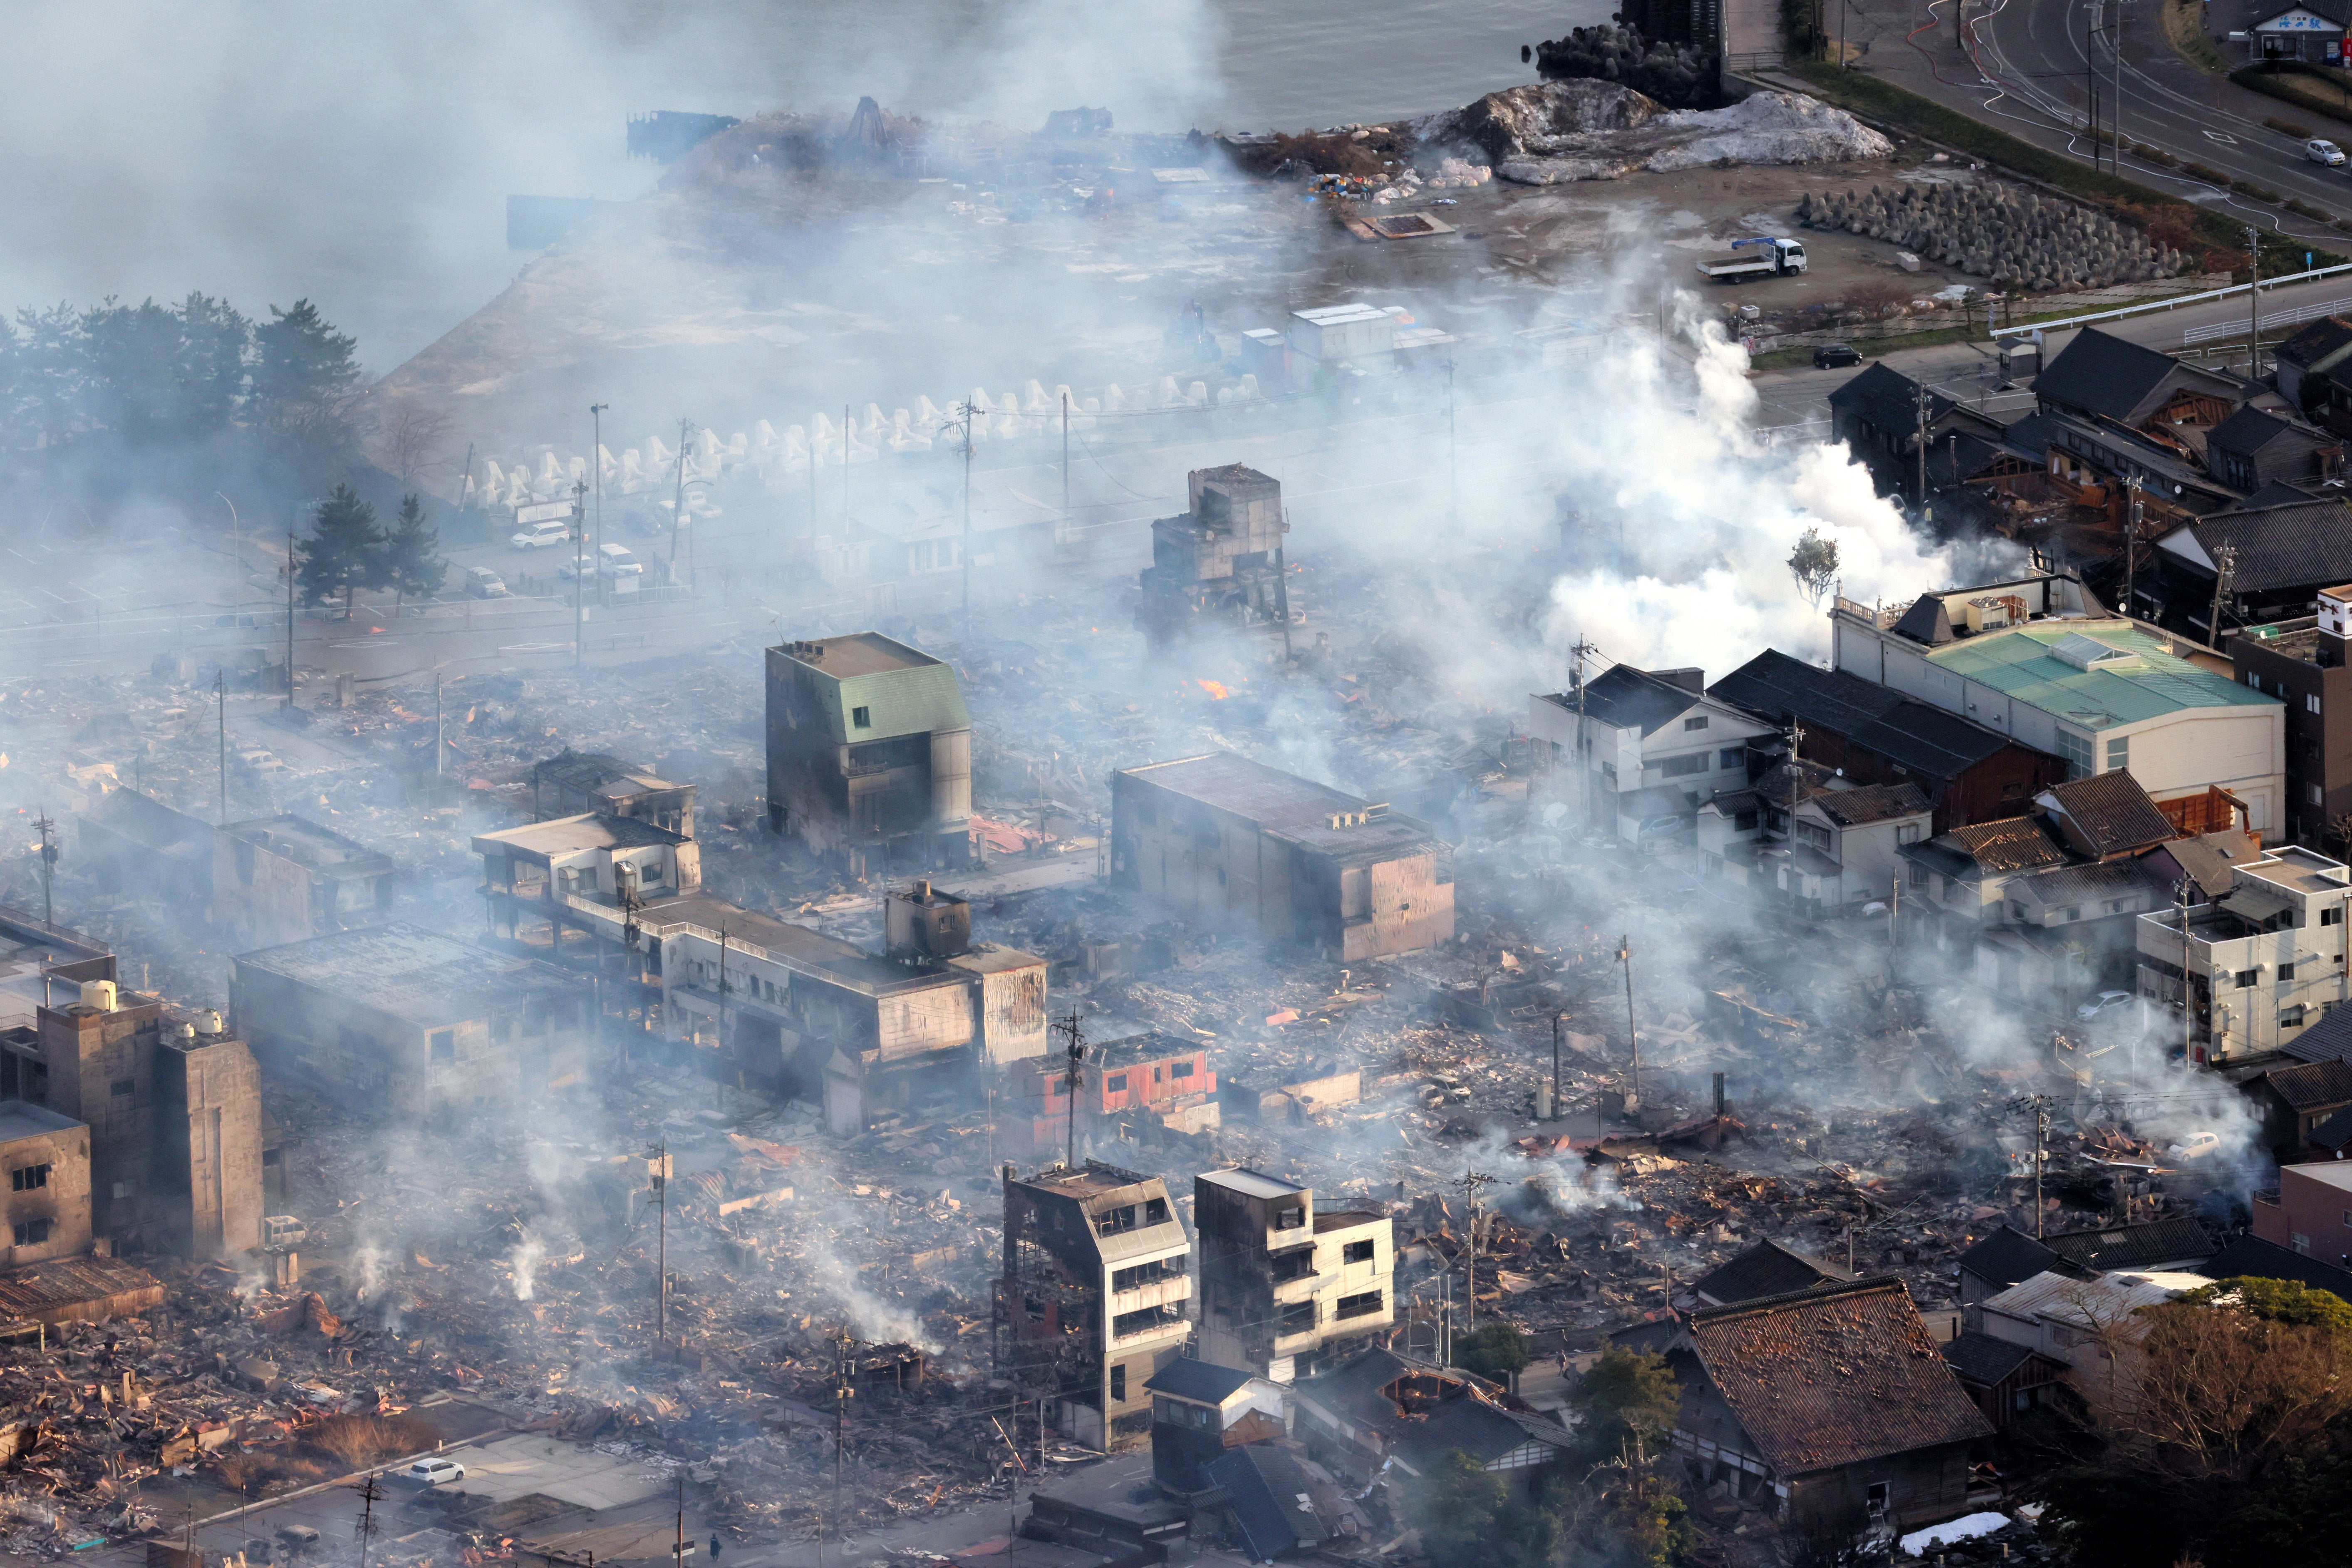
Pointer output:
x,y
2310,1086
2327,1040
2109,879
2316,342
2112,812
2307,543
1471,1426
1767,1268
1202,1380
2336,1132
1872,803
1885,398
2030,437
2249,430
1647,1339
2132,1246
1982,1359
1927,741
2101,375
1834,1376
1631,699
2281,492
2008,1257
2251,1258
1264,1489
1926,622
2011,844
1959,456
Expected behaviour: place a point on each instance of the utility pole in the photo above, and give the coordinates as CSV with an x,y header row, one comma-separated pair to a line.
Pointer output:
x,y
1074,1077
1920,497
1066,528
290,619
2131,541
1583,747
657,1158
579,573
44,826
677,1543
842,1394
966,409
220,694
2116,93
2039,1104
844,469
678,506
2253,305
1471,1182
2225,577
2091,82
2188,980
236,560
596,460
1632,1034
1556,1110
370,1493
437,721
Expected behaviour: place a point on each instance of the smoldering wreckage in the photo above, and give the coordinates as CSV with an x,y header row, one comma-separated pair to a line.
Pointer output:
x,y
835,1080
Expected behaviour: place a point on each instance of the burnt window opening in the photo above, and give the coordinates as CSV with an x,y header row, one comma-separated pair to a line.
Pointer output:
x,y
1114,1082
32,1232
1359,1306
861,718
1290,1218
28,1178
1118,1382
273,1156
1357,1251
1155,1211
1181,1070
442,1044
1292,1266
1111,1221
1298,1318
122,1086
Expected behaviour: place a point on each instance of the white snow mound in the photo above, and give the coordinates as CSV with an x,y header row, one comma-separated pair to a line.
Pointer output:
x,y
1560,131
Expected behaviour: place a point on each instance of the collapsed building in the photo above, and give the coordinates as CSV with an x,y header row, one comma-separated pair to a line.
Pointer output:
x,y
572,783
1090,1306
1222,560
1233,844
282,878
869,752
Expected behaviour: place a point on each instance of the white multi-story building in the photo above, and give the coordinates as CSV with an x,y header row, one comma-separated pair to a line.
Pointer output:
x,y
1285,1291
1638,750
2261,962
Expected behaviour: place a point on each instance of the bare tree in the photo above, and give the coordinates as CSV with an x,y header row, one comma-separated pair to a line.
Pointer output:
x,y
1814,564
412,435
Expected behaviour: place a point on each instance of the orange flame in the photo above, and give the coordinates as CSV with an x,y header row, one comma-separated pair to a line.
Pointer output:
x,y
1215,688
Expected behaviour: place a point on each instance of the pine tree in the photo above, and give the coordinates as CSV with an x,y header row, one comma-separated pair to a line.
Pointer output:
x,y
346,551
305,386
413,562
210,375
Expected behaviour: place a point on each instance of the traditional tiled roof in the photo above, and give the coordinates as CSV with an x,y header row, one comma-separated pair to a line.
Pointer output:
x,y
2132,1246
2008,1257
1629,699
2011,844
2316,342
1767,1268
2113,812
2251,1258
2303,544
1203,1383
1982,1359
1887,399
2312,1086
1834,1376
2102,375
1872,803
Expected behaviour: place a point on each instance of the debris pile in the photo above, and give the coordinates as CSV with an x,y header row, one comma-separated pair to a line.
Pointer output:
x,y
1558,131
1676,75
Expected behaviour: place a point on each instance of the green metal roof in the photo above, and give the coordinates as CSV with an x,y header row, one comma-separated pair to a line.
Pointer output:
x,y
2020,663
904,690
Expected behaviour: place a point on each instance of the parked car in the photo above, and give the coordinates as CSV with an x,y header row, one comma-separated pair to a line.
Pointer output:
x,y
2320,150
2197,1146
297,1537
1834,357
437,1472
2104,1003
617,560
1665,832
546,532
482,583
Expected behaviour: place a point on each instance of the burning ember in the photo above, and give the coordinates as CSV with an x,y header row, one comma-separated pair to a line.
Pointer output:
x,y
1215,688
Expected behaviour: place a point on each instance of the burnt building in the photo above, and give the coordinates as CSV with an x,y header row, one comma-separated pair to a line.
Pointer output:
x,y
869,752
1873,734
573,783
134,843
537,873
409,1020
47,1200
1232,844
2302,662
282,879
172,1103
1883,415
1222,560
1133,1091
1090,1305
1284,1290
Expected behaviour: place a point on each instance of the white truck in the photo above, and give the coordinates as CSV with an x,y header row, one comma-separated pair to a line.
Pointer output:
x,y
1774,258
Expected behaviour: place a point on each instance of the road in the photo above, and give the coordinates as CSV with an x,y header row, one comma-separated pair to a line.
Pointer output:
x,y
2024,72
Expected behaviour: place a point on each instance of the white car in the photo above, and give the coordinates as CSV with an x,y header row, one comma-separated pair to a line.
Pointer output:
x,y
2105,1001
619,561
437,1472
539,535
2319,149
2197,1146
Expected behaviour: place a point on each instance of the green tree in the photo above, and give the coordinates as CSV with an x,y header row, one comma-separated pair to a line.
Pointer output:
x,y
209,374
1623,1398
130,353
412,562
2278,1301
1464,1511
1496,1351
305,384
346,551
49,377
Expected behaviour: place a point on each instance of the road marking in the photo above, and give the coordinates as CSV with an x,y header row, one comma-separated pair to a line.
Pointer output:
x,y
2224,137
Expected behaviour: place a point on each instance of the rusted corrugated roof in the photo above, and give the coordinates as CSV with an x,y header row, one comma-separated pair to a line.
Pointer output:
x,y
1834,1375
60,1289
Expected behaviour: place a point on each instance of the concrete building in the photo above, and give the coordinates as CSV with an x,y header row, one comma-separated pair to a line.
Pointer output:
x,y
282,879
2302,662
172,1103
134,843
869,752
1285,1291
531,874
411,1021
1810,838
47,1156
1232,844
571,783
1133,1091
2039,660
1090,1305
1222,560
1639,750
2311,1213
2261,962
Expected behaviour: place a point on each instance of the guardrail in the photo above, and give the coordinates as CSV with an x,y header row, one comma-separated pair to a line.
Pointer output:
x,y
2295,316
2171,304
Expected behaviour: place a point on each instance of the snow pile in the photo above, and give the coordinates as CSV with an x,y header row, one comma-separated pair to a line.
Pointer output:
x,y
1967,1528
1555,132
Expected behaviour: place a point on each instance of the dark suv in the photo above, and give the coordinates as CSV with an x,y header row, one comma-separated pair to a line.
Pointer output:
x,y
1832,357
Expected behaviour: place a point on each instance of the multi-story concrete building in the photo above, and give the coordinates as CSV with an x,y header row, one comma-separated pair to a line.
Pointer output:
x,y
1285,1291
1091,1302
869,752
2302,662
1639,750
172,1101
2040,660
47,1200
1222,560
2311,1213
282,878
1231,843
530,874
571,783
2261,962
